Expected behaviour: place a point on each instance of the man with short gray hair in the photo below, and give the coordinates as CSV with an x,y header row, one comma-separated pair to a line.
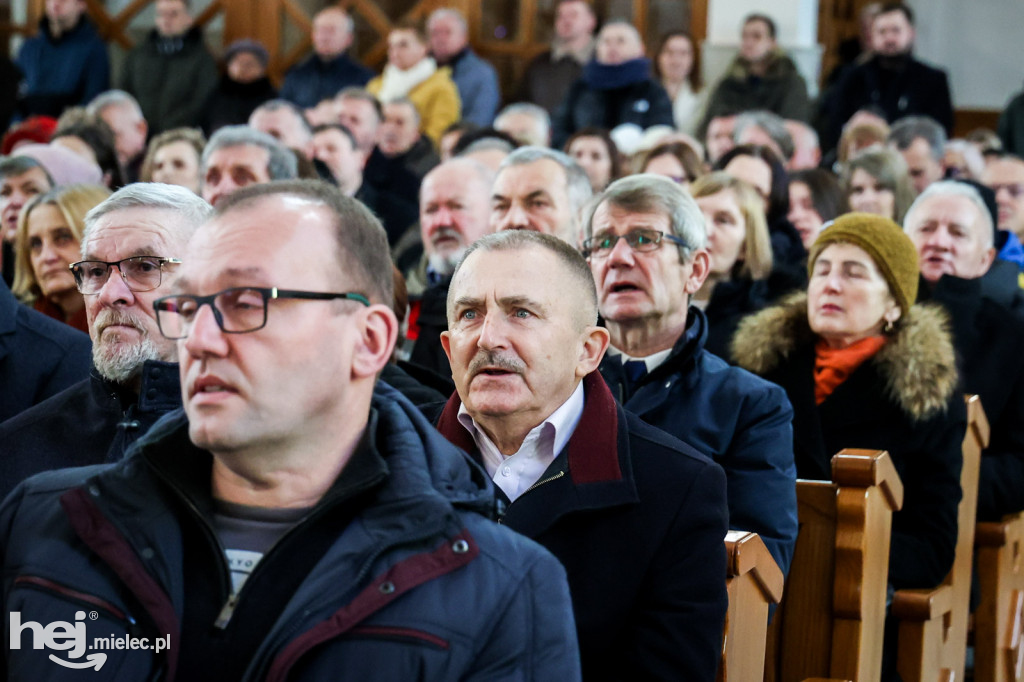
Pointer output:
x,y
646,243
237,156
475,78
330,68
922,143
952,229
764,128
528,123
131,250
122,112
542,190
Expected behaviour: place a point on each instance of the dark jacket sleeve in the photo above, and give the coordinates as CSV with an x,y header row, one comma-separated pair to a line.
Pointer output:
x,y
924,531
1001,484
795,102
679,619
761,473
97,73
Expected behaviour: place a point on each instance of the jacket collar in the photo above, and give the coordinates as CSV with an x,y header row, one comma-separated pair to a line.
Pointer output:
x,y
917,363
8,309
592,452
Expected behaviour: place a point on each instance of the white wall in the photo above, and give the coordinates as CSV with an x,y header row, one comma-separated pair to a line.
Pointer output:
x,y
978,43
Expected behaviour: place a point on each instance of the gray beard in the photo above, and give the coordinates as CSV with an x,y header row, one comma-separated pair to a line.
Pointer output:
x,y
444,264
119,362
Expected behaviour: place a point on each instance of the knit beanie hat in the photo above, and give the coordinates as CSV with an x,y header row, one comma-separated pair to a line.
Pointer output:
x,y
893,252
253,47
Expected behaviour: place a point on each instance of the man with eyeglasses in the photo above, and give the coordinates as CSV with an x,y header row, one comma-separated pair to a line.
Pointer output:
x,y
1005,177
646,245
131,253
636,517
297,520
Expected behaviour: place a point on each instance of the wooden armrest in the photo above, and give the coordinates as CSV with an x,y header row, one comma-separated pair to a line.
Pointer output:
x,y
863,468
748,554
977,421
922,605
995,533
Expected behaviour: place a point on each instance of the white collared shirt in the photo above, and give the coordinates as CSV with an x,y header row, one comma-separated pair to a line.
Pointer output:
x,y
652,361
516,473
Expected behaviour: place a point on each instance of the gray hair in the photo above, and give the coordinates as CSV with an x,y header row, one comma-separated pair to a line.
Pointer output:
x,y
952,188
627,24
486,144
515,240
284,105
909,128
576,180
405,102
282,164
649,193
191,208
113,98
539,114
773,125
450,13
13,166
350,24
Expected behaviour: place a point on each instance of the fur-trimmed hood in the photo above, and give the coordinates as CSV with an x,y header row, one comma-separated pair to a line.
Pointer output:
x,y
918,363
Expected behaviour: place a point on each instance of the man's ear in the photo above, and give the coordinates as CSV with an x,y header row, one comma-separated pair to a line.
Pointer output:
x,y
377,341
595,343
700,269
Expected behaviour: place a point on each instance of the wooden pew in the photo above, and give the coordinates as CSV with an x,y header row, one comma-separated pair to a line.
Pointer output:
x,y
831,620
933,623
999,618
754,581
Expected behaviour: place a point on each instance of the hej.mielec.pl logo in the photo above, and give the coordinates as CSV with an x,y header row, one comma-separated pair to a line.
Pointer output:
x,y
71,637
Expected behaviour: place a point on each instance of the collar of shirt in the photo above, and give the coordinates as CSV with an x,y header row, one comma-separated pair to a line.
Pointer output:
x,y
653,361
515,474
558,51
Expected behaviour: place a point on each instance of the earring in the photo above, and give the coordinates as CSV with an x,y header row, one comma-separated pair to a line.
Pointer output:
x,y
888,327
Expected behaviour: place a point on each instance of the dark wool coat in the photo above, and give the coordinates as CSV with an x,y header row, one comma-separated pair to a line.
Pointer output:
x,y
39,356
904,400
638,520
313,80
62,72
782,90
93,422
988,326
396,573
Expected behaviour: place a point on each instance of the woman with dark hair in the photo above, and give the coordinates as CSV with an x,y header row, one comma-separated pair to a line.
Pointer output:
x,y
815,197
677,66
595,151
763,169
866,367
676,160
92,138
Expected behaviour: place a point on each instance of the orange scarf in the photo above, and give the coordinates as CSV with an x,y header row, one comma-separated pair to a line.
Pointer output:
x,y
832,366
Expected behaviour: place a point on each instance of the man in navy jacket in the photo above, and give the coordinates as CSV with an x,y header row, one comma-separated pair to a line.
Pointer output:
x,y
636,517
646,247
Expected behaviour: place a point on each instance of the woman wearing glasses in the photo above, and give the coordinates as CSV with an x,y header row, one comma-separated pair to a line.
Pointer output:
x,y
48,240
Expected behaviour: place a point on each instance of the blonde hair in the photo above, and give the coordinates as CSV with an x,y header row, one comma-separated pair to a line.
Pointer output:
x,y
73,202
757,244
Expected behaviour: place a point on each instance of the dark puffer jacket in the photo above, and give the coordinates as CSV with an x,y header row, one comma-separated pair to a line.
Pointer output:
x,y
417,584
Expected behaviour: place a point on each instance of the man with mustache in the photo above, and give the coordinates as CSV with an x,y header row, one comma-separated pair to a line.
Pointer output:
x,y
636,517
131,249
454,213
646,245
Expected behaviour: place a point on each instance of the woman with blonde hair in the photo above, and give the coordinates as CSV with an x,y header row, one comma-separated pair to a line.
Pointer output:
x,y
173,157
48,241
741,280
876,181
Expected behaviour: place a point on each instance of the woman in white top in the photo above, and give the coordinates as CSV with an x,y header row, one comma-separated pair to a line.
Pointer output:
x,y
677,66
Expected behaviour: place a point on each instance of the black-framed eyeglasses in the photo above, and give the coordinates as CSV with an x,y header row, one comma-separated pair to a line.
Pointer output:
x,y
140,273
237,310
599,246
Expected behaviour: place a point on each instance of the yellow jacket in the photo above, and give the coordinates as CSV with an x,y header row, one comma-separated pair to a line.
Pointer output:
x,y
436,100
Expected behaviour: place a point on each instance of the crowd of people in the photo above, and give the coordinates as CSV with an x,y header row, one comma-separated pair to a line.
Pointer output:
x,y
358,319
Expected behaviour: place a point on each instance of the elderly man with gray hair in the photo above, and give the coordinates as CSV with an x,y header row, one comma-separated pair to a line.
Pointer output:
x,y
237,156
647,247
131,251
528,123
474,77
542,190
922,142
952,229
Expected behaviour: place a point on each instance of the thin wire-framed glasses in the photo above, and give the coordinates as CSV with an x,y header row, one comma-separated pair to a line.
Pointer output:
x,y
599,246
237,310
140,273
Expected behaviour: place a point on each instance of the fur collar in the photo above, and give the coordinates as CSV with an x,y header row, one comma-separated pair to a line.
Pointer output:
x,y
918,363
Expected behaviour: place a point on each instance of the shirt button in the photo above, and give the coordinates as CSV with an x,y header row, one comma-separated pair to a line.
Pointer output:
x,y
506,472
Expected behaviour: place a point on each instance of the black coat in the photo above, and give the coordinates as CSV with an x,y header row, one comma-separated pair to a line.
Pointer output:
x,y
638,520
904,399
93,422
39,356
988,326
736,298
904,87
232,103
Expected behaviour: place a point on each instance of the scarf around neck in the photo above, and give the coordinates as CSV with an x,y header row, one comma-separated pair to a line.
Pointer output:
x,y
833,366
396,83
612,76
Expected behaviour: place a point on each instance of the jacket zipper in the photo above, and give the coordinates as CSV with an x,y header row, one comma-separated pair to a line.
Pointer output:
x,y
93,601
557,476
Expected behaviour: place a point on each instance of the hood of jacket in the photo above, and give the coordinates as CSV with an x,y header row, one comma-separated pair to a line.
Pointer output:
x,y
779,66
918,362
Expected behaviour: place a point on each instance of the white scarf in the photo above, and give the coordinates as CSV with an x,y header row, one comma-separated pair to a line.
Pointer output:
x,y
396,83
